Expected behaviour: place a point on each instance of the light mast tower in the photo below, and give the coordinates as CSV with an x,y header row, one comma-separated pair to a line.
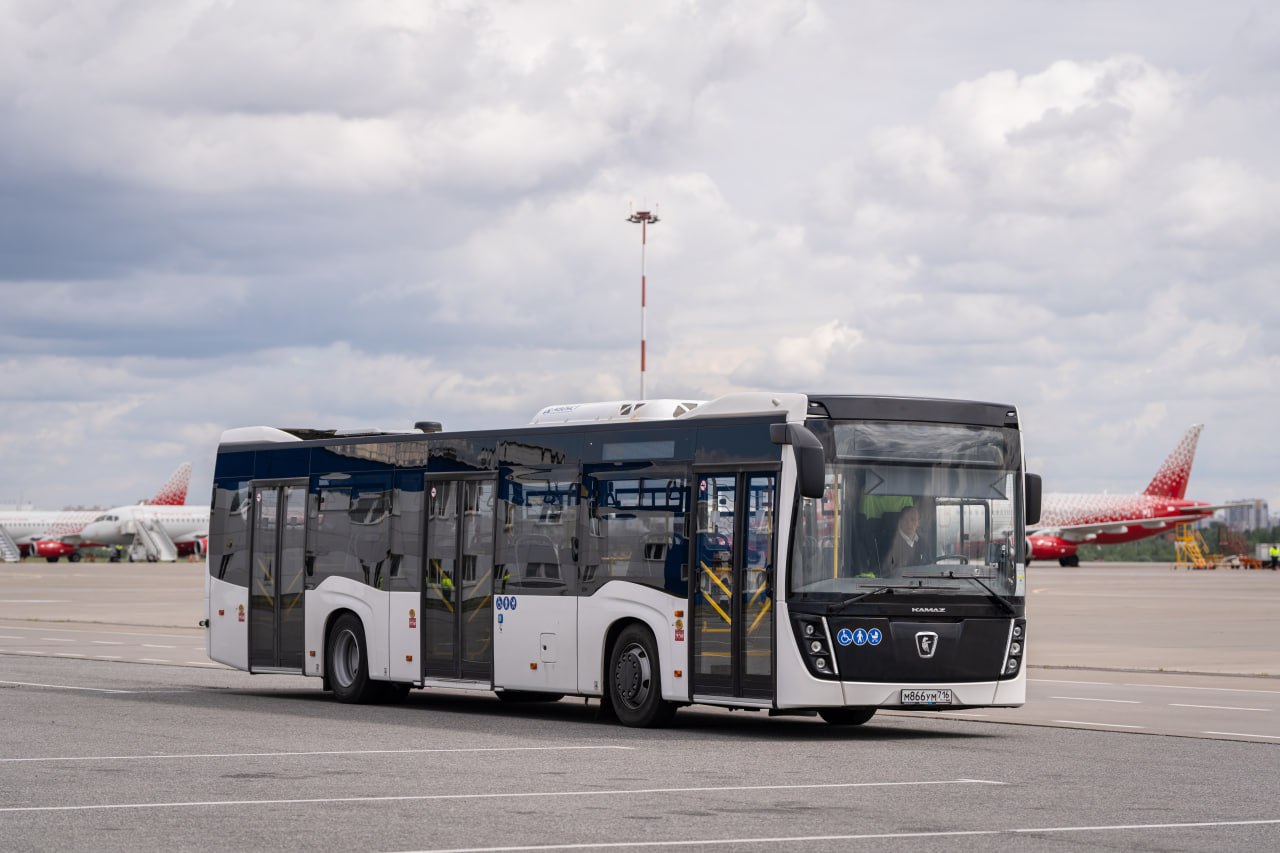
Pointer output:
x,y
645,219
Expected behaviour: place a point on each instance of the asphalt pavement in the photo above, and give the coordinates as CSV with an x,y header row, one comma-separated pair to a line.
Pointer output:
x,y
119,735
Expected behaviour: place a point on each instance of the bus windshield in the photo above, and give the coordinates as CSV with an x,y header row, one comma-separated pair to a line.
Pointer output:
x,y
911,506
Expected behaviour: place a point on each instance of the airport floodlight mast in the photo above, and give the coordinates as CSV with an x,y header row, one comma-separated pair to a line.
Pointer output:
x,y
645,218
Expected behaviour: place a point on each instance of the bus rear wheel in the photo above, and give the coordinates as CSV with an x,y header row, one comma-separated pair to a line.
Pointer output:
x,y
846,716
635,683
347,661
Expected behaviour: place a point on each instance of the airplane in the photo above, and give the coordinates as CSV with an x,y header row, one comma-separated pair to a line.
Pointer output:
x,y
161,532
56,534
1069,520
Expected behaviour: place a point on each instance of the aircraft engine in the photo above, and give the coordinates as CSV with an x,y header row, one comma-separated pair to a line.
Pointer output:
x,y
1052,548
52,549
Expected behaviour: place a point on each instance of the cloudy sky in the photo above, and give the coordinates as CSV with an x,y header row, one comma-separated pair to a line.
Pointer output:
x,y
218,213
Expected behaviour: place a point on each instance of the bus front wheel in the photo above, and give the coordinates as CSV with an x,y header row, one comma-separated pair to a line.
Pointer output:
x,y
846,716
347,661
635,683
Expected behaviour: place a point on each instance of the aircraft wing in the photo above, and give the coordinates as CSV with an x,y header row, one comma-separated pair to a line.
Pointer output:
x,y
1084,532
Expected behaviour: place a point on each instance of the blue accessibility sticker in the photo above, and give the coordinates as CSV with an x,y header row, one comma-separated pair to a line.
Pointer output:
x,y
860,637
874,636
845,637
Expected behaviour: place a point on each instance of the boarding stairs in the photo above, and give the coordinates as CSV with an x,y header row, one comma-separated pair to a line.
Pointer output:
x,y
150,540
1192,552
9,550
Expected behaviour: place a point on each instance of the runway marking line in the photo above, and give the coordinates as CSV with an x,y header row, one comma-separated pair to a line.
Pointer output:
x,y
794,839
1062,681
1193,687
316,752
495,796
66,687
1242,734
1108,725
153,660
1215,707
1087,699
108,633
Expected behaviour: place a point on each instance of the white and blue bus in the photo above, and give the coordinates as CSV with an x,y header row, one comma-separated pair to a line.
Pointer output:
x,y
654,554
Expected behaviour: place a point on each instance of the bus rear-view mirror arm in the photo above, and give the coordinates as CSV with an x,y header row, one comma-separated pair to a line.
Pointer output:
x,y
811,466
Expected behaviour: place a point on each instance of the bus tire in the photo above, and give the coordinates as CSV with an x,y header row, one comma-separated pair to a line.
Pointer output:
x,y
635,681
347,661
846,716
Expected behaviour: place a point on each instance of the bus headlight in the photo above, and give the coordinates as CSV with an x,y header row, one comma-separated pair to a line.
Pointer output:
x,y
815,645
1017,644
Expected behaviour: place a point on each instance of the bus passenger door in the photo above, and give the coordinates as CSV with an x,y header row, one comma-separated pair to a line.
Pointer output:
x,y
732,598
457,606
277,576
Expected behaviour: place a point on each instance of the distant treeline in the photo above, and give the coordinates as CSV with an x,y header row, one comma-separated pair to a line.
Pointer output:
x,y
1160,549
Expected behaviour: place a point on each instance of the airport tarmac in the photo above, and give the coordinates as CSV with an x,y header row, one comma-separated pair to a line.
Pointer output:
x,y
1126,616
120,735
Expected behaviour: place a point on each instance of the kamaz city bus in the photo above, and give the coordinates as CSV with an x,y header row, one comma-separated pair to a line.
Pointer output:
x,y
651,554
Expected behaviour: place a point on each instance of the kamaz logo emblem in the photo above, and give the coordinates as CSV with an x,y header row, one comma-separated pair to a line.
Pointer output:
x,y
928,610
926,643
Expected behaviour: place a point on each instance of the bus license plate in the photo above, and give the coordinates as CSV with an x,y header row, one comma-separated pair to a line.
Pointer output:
x,y
926,697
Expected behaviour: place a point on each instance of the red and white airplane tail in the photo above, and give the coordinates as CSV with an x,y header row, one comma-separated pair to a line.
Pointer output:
x,y
1069,520
174,490
1171,480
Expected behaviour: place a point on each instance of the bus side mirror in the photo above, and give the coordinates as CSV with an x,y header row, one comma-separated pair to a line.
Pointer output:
x,y
811,464
1033,498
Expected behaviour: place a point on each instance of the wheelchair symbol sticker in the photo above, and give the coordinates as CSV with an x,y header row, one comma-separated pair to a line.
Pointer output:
x,y
845,637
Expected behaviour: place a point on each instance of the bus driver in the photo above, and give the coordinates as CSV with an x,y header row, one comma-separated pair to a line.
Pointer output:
x,y
907,549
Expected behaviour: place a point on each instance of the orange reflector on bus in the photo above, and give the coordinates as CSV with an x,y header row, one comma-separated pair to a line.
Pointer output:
x,y
679,613
222,613
679,673
408,658
533,666
312,652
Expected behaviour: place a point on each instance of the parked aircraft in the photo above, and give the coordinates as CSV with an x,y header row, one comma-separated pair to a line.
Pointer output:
x,y
1069,520
160,532
56,534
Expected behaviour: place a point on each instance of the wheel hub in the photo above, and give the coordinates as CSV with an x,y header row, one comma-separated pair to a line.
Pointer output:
x,y
632,676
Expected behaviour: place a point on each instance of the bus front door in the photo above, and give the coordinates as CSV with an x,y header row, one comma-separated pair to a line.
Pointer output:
x,y
732,599
457,604
277,576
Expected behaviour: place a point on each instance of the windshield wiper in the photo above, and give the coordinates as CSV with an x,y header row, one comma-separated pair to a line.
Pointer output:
x,y
995,596
836,608
1008,605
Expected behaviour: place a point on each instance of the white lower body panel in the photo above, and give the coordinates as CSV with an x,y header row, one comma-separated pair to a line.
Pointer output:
x,y
227,609
534,644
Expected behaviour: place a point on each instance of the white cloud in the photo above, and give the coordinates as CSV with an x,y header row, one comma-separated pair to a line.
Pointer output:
x,y
217,214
